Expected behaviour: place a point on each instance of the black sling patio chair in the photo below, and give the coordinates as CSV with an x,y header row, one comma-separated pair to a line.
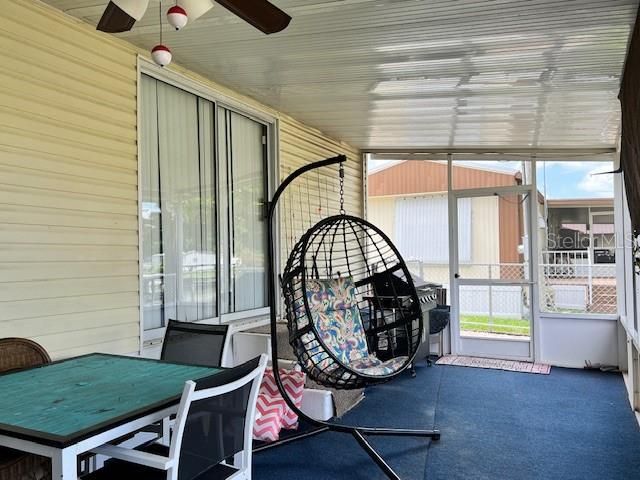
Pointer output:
x,y
194,343
212,436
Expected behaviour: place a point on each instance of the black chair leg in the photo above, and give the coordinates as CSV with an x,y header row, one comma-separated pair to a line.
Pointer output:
x,y
401,432
358,433
375,456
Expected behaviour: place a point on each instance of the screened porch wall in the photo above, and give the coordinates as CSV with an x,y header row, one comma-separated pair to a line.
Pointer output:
x,y
68,175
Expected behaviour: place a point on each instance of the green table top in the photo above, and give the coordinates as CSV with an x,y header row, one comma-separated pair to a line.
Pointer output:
x,y
64,402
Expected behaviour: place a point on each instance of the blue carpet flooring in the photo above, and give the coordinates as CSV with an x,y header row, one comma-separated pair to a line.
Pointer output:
x,y
495,425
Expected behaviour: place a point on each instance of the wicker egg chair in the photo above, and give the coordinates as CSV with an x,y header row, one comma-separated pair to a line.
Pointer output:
x,y
344,331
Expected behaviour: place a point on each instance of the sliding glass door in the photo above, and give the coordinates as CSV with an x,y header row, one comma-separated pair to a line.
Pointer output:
x,y
204,183
243,186
178,208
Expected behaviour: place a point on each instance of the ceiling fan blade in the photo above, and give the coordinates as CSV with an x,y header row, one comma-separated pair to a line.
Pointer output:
x,y
195,8
121,15
262,14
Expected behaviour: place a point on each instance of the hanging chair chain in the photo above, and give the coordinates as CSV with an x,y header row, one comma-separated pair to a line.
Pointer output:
x,y
342,210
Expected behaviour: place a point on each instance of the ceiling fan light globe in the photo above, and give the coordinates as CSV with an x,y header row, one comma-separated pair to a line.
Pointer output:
x,y
195,8
177,17
121,15
161,55
133,8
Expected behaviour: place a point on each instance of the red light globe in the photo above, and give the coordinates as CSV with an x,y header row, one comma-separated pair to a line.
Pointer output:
x,y
161,55
177,17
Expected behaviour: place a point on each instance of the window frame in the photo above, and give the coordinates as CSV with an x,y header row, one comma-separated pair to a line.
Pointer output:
x,y
220,101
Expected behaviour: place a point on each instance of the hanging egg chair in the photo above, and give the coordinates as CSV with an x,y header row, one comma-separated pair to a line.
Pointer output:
x,y
353,314
351,307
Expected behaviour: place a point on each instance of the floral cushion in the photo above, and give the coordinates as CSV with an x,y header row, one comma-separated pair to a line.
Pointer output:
x,y
317,354
336,317
335,314
330,294
376,367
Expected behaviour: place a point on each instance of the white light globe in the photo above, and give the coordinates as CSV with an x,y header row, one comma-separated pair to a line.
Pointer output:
x,y
195,8
161,55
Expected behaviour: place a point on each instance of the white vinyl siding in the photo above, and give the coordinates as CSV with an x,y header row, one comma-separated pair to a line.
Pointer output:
x,y
68,195
69,273
300,145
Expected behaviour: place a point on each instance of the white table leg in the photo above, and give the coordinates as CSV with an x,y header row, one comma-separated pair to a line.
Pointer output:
x,y
165,436
64,465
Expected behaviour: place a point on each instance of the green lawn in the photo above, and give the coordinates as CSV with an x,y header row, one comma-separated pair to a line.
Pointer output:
x,y
482,323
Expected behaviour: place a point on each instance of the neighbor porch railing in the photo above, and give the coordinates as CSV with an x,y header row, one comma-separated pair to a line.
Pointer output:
x,y
569,282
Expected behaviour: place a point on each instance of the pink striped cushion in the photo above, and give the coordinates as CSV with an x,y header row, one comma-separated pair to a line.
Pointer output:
x,y
272,408
269,414
293,382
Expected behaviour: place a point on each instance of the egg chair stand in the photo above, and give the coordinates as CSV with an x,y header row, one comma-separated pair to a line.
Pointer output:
x,y
339,246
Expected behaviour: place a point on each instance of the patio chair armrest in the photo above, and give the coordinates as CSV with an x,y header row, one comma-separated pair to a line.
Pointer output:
x,y
134,456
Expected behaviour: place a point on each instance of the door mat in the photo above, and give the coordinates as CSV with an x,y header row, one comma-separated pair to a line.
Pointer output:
x,y
495,364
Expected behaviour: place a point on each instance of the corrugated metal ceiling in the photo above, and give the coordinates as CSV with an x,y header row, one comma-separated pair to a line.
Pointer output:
x,y
420,73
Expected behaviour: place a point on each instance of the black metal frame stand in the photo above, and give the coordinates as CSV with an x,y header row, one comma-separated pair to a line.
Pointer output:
x,y
320,426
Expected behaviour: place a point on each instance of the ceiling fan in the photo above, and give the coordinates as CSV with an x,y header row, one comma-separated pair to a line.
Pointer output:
x,y
121,15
